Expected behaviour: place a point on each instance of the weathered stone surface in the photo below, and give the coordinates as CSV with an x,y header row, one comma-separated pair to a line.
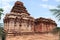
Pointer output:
x,y
19,8
19,25
44,25
48,36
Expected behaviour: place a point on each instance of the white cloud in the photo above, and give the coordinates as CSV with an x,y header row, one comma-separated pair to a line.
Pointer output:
x,y
47,6
44,0
57,0
6,6
8,0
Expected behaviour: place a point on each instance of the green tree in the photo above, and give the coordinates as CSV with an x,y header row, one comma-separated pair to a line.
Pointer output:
x,y
57,30
2,33
1,12
56,12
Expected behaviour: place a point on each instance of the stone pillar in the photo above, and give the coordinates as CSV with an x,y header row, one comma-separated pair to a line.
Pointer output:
x,y
42,27
16,25
33,25
45,27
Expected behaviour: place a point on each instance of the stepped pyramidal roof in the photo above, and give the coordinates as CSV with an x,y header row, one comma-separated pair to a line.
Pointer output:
x,y
19,8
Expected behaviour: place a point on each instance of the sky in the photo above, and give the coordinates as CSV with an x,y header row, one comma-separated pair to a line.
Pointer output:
x,y
37,8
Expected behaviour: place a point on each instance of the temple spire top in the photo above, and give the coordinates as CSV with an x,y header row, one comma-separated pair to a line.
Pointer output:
x,y
19,8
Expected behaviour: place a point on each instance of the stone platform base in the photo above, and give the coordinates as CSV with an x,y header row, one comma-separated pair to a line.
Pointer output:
x,y
47,36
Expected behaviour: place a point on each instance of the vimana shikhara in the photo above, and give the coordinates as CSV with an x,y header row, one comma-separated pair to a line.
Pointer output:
x,y
19,25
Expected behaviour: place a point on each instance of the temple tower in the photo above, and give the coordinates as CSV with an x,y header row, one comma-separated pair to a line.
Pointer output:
x,y
18,20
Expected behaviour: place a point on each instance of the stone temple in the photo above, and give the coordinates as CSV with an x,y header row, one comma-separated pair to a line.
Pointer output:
x,y
19,25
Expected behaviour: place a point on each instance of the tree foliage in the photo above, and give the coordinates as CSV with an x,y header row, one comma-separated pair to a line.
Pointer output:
x,y
1,12
56,12
57,30
2,33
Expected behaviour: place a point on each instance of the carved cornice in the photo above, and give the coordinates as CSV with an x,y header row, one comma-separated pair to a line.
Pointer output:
x,y
44,20
28,33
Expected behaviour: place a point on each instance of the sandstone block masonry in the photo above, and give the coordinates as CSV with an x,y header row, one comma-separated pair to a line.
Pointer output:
x,y
19,25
